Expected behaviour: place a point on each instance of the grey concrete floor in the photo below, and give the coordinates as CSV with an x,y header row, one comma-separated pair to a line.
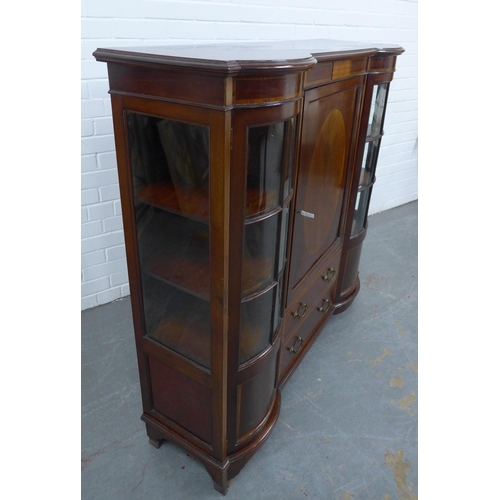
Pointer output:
x,y
348,423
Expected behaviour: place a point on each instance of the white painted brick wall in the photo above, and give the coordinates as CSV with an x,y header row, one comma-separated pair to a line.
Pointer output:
x,y
121,23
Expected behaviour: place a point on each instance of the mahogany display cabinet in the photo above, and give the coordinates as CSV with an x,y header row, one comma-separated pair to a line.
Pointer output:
x,y
245,176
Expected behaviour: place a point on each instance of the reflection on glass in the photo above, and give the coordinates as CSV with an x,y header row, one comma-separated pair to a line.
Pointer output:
x,y
360,211
369,162
170,168
289,160
265,164
283,239
279,304
379,98
177,320
270,165
259,254
256,327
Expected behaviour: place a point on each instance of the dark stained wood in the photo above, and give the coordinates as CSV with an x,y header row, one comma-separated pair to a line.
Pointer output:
x,y
321,73
349,67
328,137
351,270
303,306
256,398
213,362
174,85
300,340
191,399
382,64
293,56
348,282
257,89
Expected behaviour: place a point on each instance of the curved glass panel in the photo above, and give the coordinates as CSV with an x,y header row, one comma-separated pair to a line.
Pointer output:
x,y
270,161
170,173
289,160
283,238
360,211
369,163
265,166
259,257
256,326
377,108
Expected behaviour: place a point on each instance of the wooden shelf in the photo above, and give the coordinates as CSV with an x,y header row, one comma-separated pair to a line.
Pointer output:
x,y
259,202
364,178
179,255
187,268
193,203
186,328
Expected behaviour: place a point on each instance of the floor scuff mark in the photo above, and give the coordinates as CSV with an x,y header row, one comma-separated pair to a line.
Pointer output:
x,y
400,472
381,357
397,382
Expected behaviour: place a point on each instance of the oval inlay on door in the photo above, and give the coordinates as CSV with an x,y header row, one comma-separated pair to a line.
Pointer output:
x,y
323,188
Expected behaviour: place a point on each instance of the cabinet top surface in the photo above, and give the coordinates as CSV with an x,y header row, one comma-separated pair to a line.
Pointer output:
x,y
233,57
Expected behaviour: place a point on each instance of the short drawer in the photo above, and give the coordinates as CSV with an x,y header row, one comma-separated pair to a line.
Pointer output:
x,y
298,337
303,307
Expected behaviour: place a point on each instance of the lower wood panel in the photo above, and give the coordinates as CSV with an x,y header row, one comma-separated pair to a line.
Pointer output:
x,y
255,397
181,399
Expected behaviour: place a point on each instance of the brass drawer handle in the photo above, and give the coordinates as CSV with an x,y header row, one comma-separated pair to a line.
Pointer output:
x,y
303,307
296,345
330,274
326,306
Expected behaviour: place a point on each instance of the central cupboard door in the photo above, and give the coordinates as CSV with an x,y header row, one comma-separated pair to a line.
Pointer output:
x,y
328,137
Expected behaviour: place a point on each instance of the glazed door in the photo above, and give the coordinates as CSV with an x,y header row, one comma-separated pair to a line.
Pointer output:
x,y
328,137
170,172
263,158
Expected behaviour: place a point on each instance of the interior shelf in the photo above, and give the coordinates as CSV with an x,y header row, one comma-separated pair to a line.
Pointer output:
x,y
189,270
259,202
194,203
377,135
177,253
164,195
364,178
185,328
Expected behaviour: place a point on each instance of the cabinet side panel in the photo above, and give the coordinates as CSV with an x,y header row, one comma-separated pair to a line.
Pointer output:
x,y
181,399
174,84
256,396
351,269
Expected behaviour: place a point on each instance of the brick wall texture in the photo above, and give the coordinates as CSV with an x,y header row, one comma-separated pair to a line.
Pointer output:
x,y
120,23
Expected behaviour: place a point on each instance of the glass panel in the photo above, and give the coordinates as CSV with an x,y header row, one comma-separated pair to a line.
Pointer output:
x,y
177,319
291,131
283,238
170,169
279,304
169,162
256,328
260,254
377,108
369,163
271,150
360,211
265,164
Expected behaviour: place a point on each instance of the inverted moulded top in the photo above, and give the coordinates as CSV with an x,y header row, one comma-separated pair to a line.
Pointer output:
x,y
236,57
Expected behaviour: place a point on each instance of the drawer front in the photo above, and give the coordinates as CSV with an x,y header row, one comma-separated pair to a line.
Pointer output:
x,y
317,312
306,305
